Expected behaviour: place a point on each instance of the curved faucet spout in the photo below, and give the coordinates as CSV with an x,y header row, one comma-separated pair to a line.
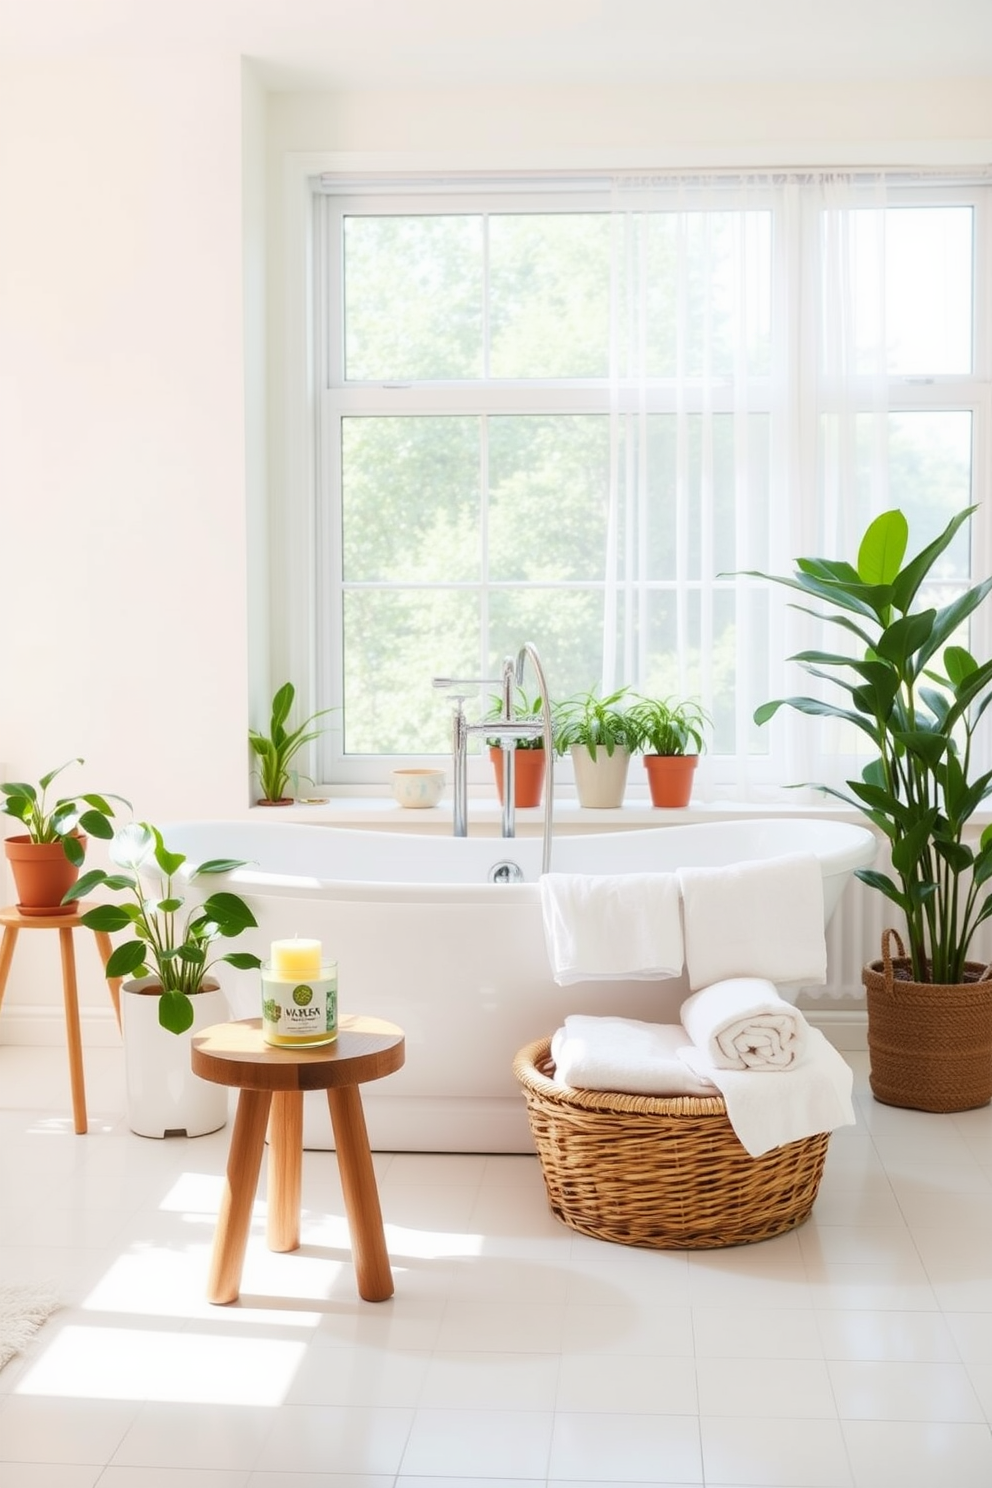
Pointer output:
x,y
528,651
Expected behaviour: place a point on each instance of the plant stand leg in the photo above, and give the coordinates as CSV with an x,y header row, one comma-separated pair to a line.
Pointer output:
x,y
73,1037
6,956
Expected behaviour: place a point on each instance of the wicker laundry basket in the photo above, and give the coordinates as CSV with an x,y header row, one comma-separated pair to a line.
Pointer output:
x,y
664,1172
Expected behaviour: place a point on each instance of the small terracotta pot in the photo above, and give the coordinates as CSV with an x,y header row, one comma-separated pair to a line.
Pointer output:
x,y
42,874
282,801
670,778
528,775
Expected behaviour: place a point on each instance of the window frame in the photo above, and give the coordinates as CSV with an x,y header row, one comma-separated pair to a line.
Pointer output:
x,y
315,607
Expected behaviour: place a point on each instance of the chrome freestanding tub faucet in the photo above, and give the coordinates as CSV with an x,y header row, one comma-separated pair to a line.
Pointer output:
x,y
505,728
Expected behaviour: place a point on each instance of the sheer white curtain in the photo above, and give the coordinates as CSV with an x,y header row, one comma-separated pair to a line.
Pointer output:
x,y
749,423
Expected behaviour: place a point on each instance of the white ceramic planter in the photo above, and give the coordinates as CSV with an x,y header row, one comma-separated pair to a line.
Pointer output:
x,y
600,782
164,1097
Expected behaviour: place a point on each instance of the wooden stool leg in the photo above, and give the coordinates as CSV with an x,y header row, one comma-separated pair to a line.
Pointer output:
x,y
73,1037
285,1169
105,947
6,956
361,1197
244,1163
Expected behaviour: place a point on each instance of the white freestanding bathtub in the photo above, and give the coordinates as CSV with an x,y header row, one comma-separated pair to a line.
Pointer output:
x,y
424,939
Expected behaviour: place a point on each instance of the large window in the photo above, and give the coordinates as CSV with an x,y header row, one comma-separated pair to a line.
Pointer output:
x,y
576,416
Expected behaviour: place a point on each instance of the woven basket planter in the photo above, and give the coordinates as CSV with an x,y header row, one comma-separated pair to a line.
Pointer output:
x,y
930,1045
667,1173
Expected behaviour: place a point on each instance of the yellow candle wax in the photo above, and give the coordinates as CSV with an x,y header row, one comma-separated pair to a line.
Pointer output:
x,y
299,959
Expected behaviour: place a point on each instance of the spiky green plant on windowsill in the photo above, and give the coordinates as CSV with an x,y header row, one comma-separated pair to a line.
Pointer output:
x,y
276,750
170,942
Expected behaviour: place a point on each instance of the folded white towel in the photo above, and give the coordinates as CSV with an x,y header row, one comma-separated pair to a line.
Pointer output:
x,y
761,919
623,1054
612,927
769,1109
743,1023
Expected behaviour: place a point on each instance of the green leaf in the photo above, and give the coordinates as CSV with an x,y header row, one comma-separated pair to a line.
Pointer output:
x,y
923,744
911,848
904,637
107,917
958,664
281,705
126,959
883,548
96,824
74,850
175,1012
816,709
880,881
46,780
231,913
908,581
243,960
218,865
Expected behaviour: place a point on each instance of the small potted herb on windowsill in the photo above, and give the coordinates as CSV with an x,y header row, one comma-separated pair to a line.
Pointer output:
x,y
599,736
276,750
671,735
529,763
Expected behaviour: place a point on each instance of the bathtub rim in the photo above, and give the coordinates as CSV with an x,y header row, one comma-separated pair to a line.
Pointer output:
x,y
856,847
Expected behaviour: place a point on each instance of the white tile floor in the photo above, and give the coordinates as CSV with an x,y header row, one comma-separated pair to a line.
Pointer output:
x,y
855,1352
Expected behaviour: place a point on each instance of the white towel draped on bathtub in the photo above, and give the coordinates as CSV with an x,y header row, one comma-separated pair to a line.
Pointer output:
x,y
607,927
759,919
624,1054
769,1109
743,1023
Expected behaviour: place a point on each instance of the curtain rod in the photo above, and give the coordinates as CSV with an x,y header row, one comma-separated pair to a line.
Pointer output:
x,y
359,182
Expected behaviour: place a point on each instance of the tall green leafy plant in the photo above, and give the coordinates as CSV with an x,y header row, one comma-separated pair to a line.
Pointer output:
x,y
920,709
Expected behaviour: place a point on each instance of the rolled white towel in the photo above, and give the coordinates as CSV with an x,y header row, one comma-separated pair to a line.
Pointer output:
x,y
612,927
743,1023
767,1110
625,1055
761,918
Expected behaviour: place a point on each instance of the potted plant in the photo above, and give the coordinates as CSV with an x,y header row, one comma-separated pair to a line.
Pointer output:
x,y
529,764
45,860
277,749
168,987
599,735
671,735
918,696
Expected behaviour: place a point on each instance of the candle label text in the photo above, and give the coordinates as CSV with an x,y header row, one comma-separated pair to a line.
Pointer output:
x,y
299,1012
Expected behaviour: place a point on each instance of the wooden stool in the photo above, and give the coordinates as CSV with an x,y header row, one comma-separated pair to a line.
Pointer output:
x,y
13,922
267,1077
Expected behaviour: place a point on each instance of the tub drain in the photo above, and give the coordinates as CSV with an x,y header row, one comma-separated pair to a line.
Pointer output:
x,y
505,873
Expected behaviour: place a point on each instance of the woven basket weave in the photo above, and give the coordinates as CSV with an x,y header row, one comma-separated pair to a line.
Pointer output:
x,y
664,1172
930,1044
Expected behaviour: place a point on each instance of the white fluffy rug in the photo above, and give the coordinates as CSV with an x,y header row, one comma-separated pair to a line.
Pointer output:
x,y
23,1309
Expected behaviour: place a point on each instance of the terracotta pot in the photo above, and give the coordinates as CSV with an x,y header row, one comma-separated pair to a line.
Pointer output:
x,y
528,775
282,801
600,782
670,778
42,874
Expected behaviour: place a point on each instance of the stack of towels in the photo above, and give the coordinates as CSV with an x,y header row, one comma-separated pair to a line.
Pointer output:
x,y
739,933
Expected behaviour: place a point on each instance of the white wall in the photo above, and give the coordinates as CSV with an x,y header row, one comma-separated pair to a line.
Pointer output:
x,y
122,464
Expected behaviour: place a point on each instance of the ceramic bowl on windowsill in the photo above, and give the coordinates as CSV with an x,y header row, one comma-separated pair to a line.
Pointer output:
x,y
416,789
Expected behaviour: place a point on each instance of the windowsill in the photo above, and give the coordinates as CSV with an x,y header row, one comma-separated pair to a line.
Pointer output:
x,y
381,813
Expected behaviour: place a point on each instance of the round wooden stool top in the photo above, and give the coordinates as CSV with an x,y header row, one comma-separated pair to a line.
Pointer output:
x,y
236,1054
